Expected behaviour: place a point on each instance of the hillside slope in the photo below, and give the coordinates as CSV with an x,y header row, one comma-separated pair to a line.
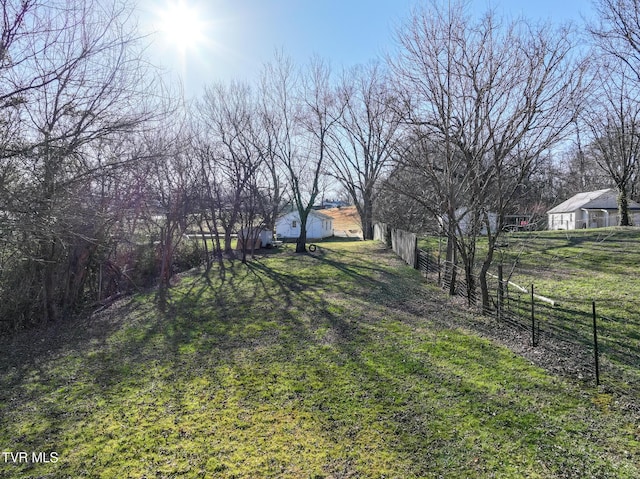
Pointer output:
x,y
346,221
338,364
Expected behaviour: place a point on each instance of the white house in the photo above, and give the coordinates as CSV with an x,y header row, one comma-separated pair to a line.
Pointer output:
x,y
318,225
464,219
592,209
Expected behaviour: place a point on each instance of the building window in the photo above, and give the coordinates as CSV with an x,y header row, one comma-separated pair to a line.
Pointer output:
x,y
294,224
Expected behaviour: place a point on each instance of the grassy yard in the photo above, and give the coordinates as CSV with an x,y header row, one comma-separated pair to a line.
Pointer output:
x,y
578,267
584,265
575,268
571,266
340,364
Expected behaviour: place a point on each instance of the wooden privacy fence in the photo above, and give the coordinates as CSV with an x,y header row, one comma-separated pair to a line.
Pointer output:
x,y
403,243
572,335
382,232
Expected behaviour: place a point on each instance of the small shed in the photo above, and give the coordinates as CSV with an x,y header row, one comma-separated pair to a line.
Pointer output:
x,y
260,238
591,209
464,219
319,225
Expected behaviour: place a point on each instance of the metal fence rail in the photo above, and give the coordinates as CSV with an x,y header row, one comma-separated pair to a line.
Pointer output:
x,y
573,335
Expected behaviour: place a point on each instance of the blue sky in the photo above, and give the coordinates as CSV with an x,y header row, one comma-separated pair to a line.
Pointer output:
x,y
238,36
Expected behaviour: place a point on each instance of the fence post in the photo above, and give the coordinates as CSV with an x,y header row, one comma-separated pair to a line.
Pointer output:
x,y
500,292
439,268
533,319
595,343
507,298
426,272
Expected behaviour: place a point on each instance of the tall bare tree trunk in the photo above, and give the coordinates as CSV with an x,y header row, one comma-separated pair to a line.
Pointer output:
x,y
623,207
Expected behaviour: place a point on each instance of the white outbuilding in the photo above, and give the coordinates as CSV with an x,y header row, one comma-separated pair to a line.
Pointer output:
x,y
319,225
259,237
464,222
591,209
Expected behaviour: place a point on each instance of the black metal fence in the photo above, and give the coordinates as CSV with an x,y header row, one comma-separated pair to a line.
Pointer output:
x,y
596,341
576,337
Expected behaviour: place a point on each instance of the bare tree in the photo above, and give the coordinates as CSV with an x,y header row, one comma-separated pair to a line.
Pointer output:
x,y
172,196
301,111
321,109
406,199
211,203
616,32
613,118
577,170
616,37
119,197
271,174
494,97
72,76
363,142
229,116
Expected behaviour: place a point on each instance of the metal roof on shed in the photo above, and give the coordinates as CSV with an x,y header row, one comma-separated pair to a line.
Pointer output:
x,y
592,200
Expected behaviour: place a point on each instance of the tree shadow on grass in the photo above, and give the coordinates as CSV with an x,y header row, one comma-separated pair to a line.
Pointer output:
x,y
380,390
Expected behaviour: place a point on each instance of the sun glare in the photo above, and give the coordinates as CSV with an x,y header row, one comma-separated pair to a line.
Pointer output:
x,y
182,26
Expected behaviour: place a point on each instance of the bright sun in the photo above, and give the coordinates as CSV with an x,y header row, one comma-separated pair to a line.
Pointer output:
x,y
181,25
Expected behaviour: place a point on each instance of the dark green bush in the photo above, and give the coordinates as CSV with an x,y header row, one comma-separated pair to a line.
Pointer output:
x,y
188,254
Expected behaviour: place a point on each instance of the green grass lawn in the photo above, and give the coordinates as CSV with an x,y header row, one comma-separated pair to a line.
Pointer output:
x,y
571,266
599,264
575,268
340,364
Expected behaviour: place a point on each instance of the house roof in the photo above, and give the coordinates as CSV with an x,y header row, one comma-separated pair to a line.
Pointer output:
x,y
592,200
311,213
344,218
320,215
